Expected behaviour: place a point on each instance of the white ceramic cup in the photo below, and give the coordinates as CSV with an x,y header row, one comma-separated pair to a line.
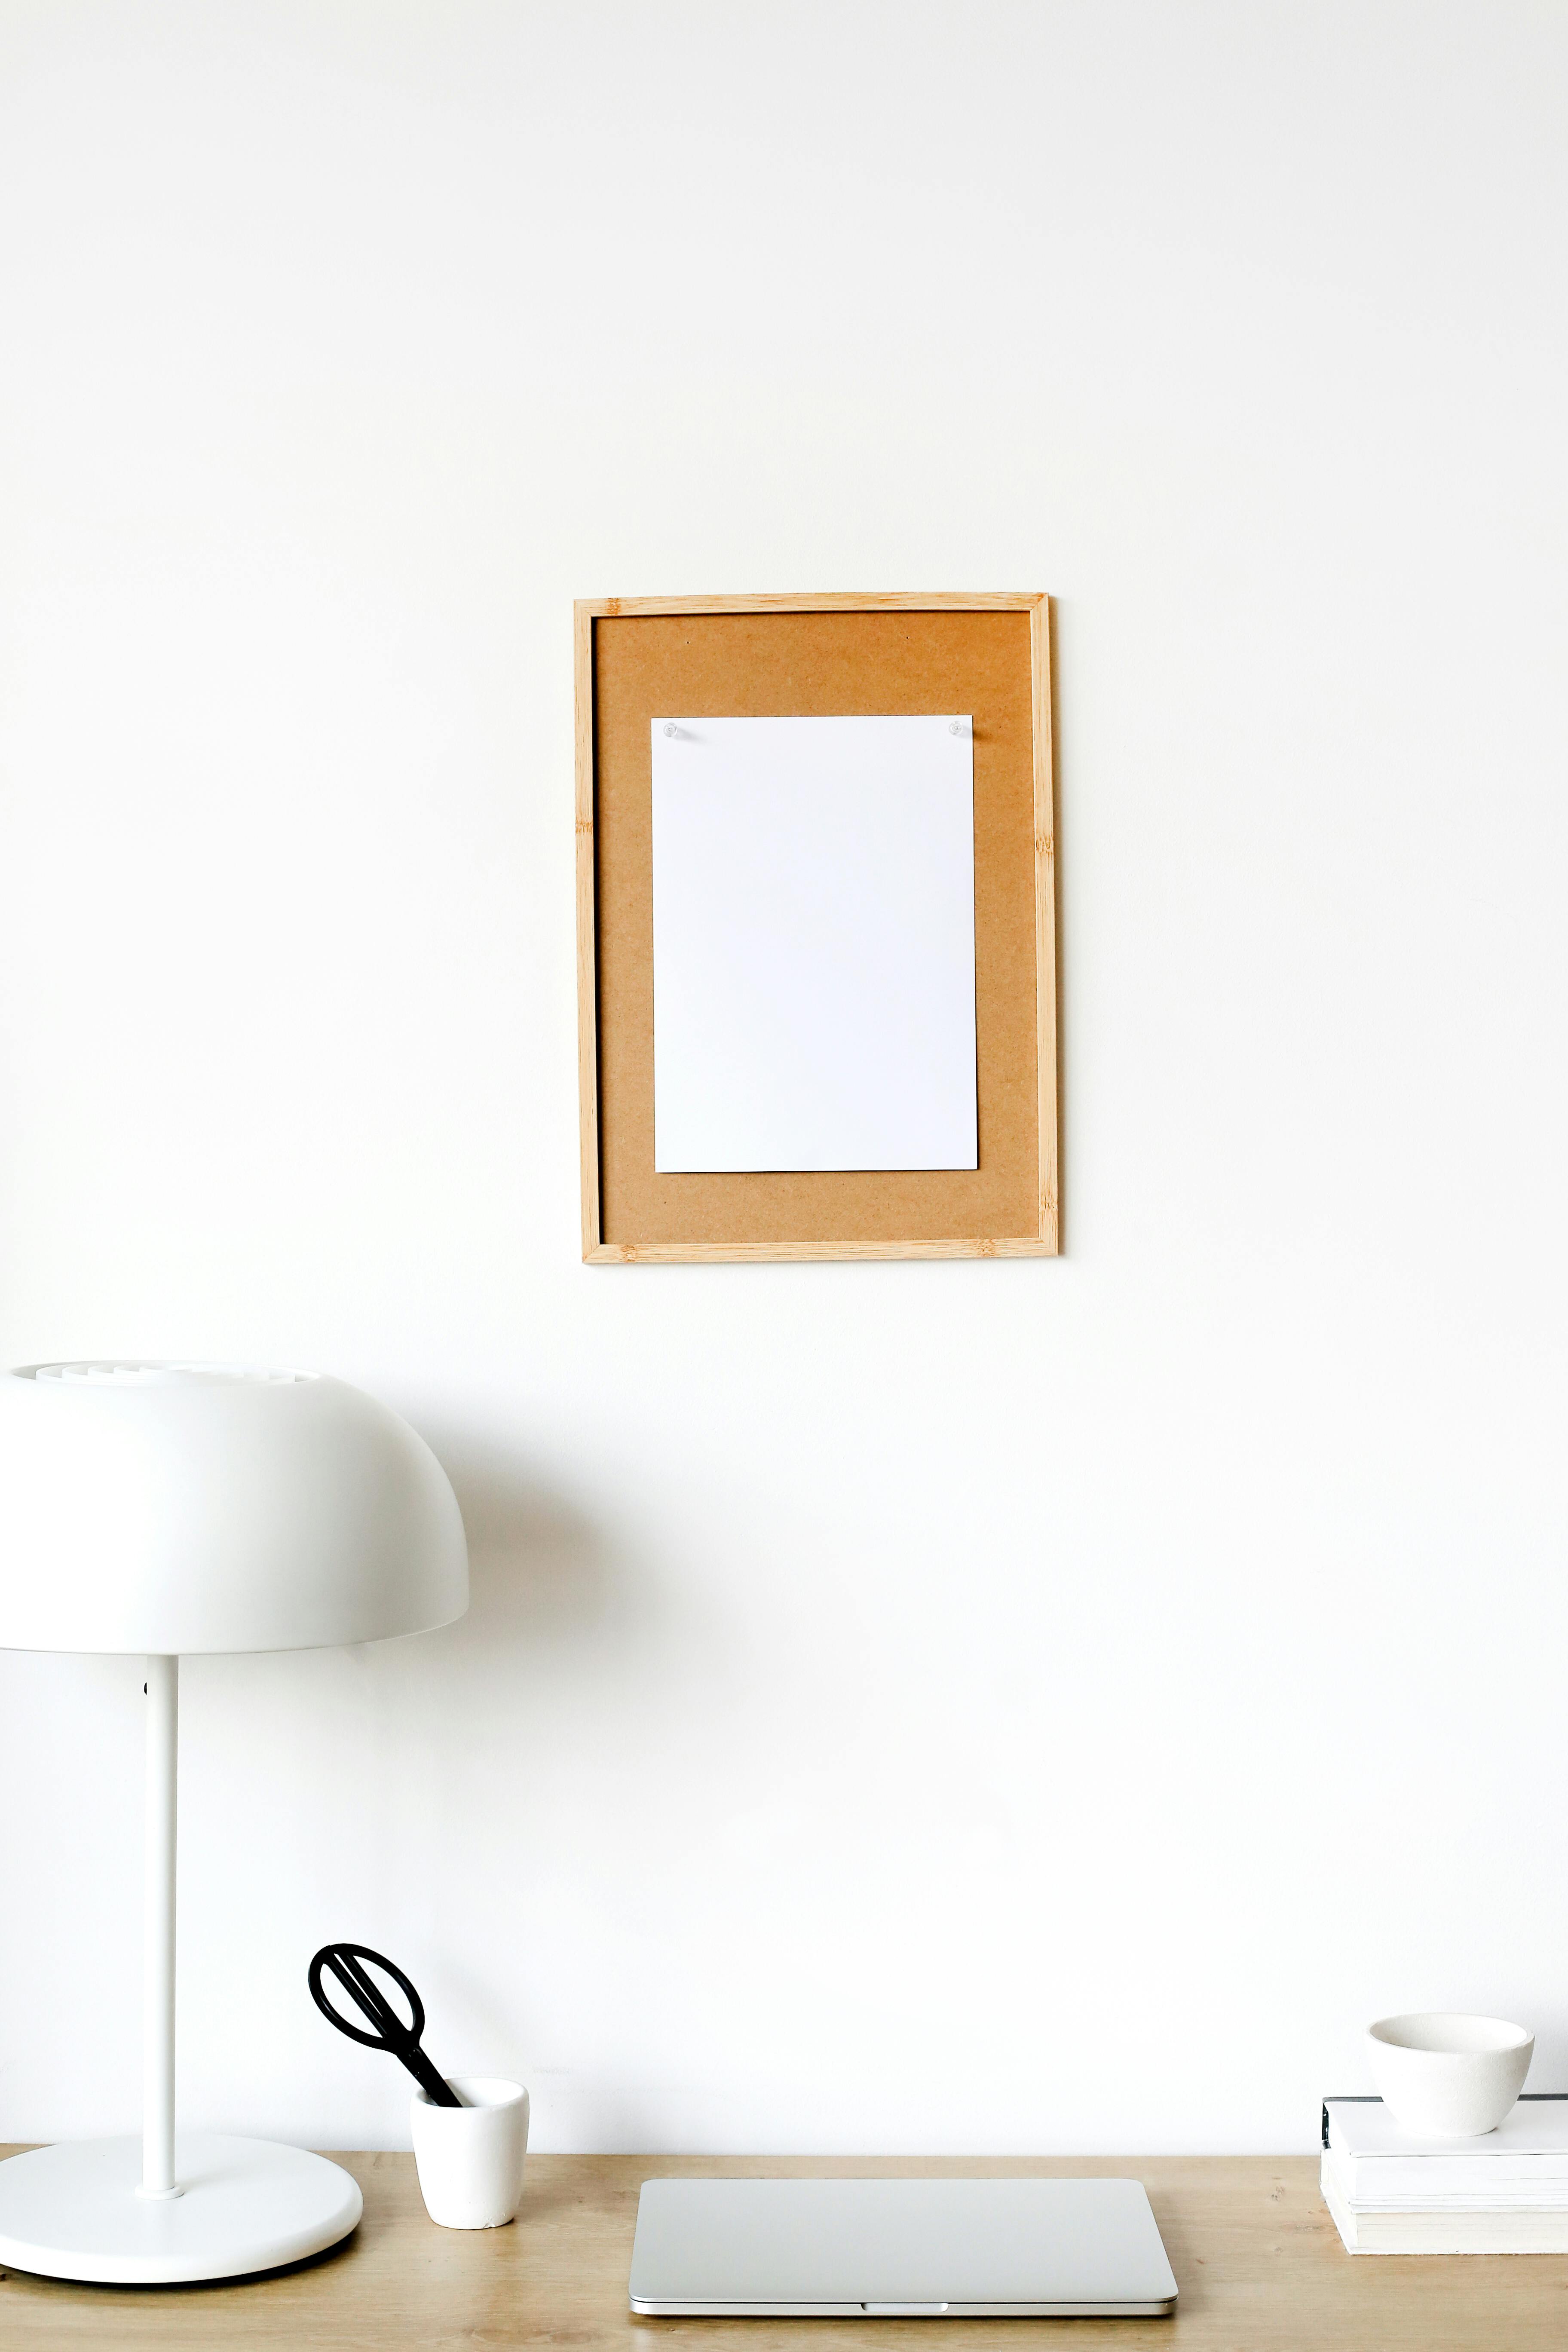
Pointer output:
x,y
1448,2076
469,2158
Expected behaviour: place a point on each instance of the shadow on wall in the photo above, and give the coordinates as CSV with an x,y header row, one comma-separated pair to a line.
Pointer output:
x,y
1548,2067
542,1576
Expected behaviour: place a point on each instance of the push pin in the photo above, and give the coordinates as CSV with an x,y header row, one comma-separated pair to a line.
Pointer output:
x,y
670,728
954,728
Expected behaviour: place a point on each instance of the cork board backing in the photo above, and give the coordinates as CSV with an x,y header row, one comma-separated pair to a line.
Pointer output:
x,y
639,659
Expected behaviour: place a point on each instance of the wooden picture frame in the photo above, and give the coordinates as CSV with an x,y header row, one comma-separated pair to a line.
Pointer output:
x,y
829,655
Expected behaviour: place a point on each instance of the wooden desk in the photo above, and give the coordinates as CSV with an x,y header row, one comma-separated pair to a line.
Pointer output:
x,y
1257,2260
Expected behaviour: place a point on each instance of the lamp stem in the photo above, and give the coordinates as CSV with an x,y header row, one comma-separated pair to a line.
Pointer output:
x,y
158,1949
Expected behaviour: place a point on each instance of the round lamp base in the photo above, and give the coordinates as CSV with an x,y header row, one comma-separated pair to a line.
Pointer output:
x,y
72,2211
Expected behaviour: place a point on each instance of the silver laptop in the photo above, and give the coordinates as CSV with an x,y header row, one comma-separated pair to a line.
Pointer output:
x,y
900,2249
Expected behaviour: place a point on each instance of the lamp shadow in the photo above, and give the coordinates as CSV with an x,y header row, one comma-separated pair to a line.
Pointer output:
x,y
542,1575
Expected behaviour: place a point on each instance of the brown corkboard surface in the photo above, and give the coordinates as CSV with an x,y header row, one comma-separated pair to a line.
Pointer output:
x,y
817,663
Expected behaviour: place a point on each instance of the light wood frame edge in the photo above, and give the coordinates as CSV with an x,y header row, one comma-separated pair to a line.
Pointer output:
x,y
754,1253
598,1252
941,600
1044,923
587,933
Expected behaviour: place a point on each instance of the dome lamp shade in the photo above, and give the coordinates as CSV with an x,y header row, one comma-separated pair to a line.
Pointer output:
x,y
184,1508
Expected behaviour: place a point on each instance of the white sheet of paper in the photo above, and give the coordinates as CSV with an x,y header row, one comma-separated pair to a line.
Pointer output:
x,y
814,943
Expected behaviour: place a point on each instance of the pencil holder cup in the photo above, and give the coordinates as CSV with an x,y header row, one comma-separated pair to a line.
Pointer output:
x,y
469,2158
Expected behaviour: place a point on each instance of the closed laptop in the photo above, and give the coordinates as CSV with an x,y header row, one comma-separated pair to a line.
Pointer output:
x,y
884,2248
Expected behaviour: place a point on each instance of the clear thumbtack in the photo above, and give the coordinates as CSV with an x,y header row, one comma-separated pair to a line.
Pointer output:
x,y
670,728
954,728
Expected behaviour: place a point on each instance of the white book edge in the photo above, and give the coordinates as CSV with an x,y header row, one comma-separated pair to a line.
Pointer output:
x,y
1428,2183
1533,2131
1374,2231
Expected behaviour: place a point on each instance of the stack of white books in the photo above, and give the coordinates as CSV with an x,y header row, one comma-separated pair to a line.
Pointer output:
x,y
1391,2192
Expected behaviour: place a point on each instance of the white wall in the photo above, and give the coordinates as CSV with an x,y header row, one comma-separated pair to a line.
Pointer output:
x,y
954,1706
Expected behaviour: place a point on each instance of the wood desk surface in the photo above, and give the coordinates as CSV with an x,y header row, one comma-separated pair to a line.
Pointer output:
x,y
1258,2260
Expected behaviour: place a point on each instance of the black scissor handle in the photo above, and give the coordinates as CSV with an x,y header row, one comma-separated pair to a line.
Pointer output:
x,y
402,2041
393,2033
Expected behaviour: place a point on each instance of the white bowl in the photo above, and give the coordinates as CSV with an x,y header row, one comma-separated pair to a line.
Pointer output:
x,y
1447,2076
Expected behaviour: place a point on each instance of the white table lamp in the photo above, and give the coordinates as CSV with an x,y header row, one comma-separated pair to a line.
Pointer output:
x,y
161,1509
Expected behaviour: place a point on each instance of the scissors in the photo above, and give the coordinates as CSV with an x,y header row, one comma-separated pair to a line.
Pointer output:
x,y
346,1961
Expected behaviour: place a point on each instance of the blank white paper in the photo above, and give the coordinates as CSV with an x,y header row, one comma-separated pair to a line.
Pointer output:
x,y
814,943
